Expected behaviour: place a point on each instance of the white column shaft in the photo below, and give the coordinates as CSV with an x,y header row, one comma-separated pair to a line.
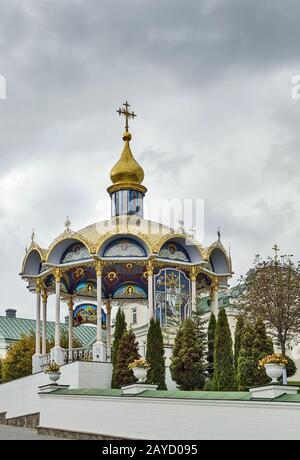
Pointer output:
x,y
215,301
150,295
194,296
38,323
57,314
70,327
108,319
99,308
44,333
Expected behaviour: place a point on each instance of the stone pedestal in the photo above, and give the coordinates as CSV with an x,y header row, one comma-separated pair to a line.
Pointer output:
x,y
99,351
36,363
272,391
57,354
137,388
52,387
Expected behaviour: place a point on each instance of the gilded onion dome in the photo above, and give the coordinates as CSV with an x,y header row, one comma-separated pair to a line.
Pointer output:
x,y
127,173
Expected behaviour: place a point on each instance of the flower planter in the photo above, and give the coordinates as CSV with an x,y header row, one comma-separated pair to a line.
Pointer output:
x,y
274,371
54,376
140,373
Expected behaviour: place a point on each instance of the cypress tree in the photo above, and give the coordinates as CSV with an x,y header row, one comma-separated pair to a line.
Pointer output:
x,y
120,328
211,344
155,356
187,367
237,339
224,375
127,353
262,346
245,367
255,345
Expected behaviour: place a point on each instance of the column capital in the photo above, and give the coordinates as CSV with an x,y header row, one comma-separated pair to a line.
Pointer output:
x,y
38,287
70,303
99,267
150,266
44,295
214,284
193,273
58,275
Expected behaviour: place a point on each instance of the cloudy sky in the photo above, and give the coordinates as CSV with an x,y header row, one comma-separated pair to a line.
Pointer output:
x,y
211,83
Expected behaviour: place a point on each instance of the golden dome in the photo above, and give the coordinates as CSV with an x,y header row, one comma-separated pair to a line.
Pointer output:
x,y
127,173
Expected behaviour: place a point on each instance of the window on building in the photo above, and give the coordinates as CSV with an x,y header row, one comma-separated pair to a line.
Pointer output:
x,y
134,316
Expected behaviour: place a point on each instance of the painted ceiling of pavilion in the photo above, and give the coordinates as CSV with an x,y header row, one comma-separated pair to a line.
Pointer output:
x,y
123,282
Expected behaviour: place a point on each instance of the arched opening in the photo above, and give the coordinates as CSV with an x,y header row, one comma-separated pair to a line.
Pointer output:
x,y
69,250
33,263
219,262
180,249
123,246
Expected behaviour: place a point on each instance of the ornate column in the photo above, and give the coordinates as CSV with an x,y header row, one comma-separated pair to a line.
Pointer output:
x,y
99,352
57,307
193,278
38,320
108,328
214,296
150,267
44,332
71,305
57,353
36,366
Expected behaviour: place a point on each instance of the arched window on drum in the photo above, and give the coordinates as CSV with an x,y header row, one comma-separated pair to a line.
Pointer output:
x,y
172,297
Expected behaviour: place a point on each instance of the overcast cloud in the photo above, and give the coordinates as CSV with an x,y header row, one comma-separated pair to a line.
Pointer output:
x,y
211,83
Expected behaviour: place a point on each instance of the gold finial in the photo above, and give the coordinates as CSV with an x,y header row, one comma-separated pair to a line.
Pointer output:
x,y
276,249
68,223
127,173
32,236
126,114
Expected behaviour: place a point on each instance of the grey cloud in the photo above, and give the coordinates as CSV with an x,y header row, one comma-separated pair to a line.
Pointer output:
x,y
210,81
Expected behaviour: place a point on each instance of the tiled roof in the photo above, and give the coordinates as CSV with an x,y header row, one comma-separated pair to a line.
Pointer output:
x,y
199,395
11,330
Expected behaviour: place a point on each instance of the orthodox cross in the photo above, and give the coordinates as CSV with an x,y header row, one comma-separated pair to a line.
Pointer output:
x,y
124,111
276,250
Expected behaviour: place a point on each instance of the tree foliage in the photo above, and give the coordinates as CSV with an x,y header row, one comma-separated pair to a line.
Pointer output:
x,y
187,367
18,360
127,353
155,355
255,345
119,330
211,344
238,338
224,375
271,289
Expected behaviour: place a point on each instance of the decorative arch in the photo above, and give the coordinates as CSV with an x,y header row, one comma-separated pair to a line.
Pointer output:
x,y
188,245
32,263
174,251
75,252
126,245
129,291
57,251
219,261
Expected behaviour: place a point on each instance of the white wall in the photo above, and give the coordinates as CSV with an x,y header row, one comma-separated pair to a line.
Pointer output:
x,y
20,397
150,418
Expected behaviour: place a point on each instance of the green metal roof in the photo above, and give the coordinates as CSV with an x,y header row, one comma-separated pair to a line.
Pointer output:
x,y
195,395
11,330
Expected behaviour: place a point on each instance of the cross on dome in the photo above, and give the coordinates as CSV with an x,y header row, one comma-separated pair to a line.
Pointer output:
x,y
127,114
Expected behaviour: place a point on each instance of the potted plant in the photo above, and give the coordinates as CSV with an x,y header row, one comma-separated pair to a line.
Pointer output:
x,y
139,368
53,371
274,365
